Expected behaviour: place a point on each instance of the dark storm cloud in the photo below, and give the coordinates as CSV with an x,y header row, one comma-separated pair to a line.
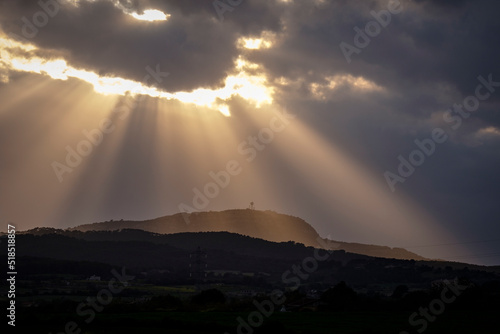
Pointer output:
x,y
430,41
193,46
428,57
417,48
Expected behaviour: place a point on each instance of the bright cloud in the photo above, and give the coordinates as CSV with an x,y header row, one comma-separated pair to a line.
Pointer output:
x,y
151,15
148,15
251,87
320,91
265,41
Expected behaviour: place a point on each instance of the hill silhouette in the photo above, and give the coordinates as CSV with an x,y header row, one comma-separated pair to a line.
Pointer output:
x,y
170,255
62,268
266,225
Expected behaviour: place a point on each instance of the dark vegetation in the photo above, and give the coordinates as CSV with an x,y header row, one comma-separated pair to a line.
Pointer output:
x,y
266,225
347,293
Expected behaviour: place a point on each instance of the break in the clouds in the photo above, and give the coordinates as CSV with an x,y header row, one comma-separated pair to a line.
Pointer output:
x,y
414,62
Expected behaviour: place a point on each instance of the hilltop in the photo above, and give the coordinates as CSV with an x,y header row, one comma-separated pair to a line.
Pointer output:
x,y
266,225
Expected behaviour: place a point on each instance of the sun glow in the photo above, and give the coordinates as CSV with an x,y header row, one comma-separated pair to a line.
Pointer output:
x,y
265,41
243,82
151,15
225,111
148,14
321,90
255,43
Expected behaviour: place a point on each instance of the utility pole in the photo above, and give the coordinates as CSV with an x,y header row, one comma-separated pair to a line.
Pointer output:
x,y
198,265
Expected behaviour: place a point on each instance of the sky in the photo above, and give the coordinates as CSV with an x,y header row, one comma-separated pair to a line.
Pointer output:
x,y
376,121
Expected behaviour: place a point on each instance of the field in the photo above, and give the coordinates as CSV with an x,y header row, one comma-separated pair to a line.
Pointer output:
x,y
455,322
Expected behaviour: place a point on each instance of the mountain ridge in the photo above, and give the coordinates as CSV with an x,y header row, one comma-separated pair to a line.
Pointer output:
x,y
266,225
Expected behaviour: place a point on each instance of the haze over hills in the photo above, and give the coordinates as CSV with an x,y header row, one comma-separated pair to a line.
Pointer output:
x,y
266,225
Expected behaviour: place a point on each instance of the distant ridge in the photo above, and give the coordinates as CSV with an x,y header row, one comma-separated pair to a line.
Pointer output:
x,y
266,225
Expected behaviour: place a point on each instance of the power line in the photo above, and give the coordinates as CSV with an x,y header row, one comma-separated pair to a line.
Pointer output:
x,y
474,256
453,243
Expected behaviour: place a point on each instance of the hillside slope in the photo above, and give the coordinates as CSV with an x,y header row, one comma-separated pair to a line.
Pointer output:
x,y
266,225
